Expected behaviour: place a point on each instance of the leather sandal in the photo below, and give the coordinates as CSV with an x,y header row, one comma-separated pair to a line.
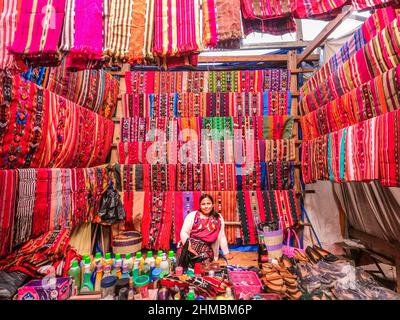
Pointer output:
x,y
295,296
326,255
273,276
313,255
300,256
277,282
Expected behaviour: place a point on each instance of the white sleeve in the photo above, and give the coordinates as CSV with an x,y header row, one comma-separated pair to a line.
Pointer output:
x,y
187,227
223,243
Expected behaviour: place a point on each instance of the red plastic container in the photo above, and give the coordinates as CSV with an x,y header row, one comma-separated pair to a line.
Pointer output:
x,y
246,283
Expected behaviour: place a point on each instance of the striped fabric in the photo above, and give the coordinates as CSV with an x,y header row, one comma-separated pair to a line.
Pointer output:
x,y
366,4
8,200
378,56
84,47
9,16
371,99
317,9
221,24
39,31
176,28
119,29
142,32
374,24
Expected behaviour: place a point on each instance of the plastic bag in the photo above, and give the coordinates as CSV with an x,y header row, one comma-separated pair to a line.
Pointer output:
x,y
111,207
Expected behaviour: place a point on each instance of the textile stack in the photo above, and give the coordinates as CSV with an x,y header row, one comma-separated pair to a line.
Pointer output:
x,y
350,119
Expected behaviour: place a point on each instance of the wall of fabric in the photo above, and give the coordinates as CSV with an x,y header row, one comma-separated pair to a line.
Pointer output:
x,y
205,125
35,201
41,129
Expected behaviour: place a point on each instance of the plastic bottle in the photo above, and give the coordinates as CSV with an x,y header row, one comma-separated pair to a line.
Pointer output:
x,y
107,259
125,272
172,261
140,259
128,260
99,277
159,258
191,295
117,266
164,265
107,271
87,285
98,259
136,269
151,262
75,273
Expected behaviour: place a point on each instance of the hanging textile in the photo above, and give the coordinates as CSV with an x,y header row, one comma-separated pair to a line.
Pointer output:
x,y
218,177
83,46
276,27
221,24
147,152
157,220
371,99
217,128
276,127
266,206
119,30
38,32
217,151
366,64
388,148
368,4
142,30
8,200
176,29
188,177
317,9
282,150
374,24
252,178
9,17
50,249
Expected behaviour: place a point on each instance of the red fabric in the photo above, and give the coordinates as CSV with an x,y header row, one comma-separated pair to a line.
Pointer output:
x,y
206,229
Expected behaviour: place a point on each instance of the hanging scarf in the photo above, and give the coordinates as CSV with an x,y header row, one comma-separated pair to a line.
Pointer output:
x,y
84,47
369,4
157,220
276,127
283,150
252,178
142,152
8,200
176,28
142,29
276,27
119,30
221,24
217,151
38,32
9,17
188,177
218,177
317,9
388,147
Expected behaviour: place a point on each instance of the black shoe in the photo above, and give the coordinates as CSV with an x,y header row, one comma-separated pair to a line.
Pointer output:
x,y
326,255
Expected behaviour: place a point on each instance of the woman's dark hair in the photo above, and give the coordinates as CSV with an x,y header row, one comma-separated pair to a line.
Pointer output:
x,y
213,213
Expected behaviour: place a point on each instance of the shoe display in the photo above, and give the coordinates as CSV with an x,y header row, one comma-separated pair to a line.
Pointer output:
x,y
326,255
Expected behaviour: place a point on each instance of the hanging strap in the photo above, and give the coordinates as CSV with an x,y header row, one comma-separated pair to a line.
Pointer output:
x,y
303,210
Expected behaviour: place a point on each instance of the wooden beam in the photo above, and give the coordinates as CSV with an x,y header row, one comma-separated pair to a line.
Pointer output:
x,y
258,58
275,45
329,28
387,249
299,32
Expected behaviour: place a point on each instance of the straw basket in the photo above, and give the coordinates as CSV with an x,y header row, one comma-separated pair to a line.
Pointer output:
x,y
274,243
127,242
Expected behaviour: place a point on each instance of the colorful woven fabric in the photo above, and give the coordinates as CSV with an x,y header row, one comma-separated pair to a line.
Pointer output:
x,y
176,28
39,31
119,29
84,47
366,4
317,9
50,249
261,206
218,177
142,29
282,150
376,57
388,148
157,220
221,24
8,200
371,99
374,24
275,27
9,17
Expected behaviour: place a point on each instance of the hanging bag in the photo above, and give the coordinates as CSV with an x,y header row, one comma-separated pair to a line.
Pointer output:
x,y
288,250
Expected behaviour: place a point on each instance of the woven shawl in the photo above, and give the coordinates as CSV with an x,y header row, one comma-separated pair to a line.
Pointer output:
x,y
119,29
176,28
221,24
84,47
39,31
9,17
317,9
275,27
8,200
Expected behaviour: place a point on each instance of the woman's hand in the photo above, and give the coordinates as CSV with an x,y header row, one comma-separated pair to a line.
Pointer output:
x,y
229,256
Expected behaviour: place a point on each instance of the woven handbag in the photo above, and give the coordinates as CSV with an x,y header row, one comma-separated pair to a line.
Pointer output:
x,y
127,242
287,249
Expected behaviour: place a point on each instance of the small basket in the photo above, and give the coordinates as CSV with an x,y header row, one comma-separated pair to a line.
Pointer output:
x,y
245,283
127,242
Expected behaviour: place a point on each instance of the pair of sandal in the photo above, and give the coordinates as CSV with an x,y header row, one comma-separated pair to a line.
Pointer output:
x,y
316,254
277,279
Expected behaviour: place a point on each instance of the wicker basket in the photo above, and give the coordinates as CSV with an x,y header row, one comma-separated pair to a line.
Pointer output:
x,y
127,242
